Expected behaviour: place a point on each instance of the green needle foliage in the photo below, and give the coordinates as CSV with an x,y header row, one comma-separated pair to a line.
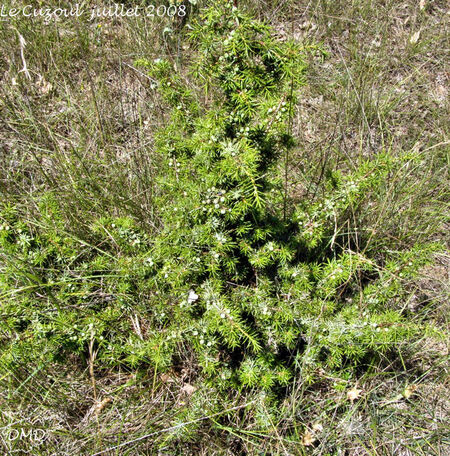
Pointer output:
x,y
241,281
224,235
257,287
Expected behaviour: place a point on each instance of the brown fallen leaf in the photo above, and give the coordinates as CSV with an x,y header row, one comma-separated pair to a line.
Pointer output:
x,y
308,438
102,404
189,389
353,394
167,378
409,391
415,37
